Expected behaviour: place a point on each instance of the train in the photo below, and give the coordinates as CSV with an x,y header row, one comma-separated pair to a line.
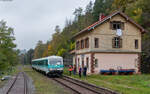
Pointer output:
x,y
51,65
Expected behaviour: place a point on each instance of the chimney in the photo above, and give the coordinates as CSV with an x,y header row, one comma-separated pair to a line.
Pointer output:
x,y
101,16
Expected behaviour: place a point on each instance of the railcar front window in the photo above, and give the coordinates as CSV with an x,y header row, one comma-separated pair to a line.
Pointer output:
x,y
56,62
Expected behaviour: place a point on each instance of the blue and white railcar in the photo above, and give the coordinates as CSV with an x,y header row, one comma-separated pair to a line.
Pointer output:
x,y
52,65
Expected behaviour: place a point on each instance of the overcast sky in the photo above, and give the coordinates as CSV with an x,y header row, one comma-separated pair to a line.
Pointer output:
x,y
35,20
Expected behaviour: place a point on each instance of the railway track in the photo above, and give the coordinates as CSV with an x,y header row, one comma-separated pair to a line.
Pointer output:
x,y
25,84
80,87
19,85
61,82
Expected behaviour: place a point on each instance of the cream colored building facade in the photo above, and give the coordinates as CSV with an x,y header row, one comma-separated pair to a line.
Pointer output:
x,y
114,42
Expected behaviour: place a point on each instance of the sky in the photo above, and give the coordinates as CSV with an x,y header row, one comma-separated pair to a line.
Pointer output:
x,y
35,20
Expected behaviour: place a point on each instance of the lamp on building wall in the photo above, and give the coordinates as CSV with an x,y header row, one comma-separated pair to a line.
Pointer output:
x,y
119,32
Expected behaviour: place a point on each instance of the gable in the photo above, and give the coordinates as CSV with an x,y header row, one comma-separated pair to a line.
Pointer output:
x,y
129,28
109,17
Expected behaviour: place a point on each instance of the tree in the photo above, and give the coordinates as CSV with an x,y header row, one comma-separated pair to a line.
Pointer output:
x,y
3,62
39,49
122,4
61,52
101,6
8,55
57,29
30,55
88,14
78,13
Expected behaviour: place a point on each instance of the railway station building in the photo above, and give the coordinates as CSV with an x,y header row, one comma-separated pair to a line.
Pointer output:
x,y
113,42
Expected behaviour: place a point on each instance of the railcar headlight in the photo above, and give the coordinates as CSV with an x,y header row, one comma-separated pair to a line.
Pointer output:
x,y
50,69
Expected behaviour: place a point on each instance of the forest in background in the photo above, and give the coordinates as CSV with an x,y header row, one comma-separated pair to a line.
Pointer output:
x,y
61,43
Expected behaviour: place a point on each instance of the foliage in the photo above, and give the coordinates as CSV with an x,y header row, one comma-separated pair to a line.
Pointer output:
x,y
29,55
122,4
101,6
61,52
39,50
8,55
26,57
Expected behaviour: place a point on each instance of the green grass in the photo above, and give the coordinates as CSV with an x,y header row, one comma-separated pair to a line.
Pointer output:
x,y
43,85
126,84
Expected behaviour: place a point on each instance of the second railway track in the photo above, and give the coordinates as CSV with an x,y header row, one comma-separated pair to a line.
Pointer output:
x,y
80,87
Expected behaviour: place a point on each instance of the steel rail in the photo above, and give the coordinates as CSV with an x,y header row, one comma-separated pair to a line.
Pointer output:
x,y
9,89
77,92
25,84
91,85
86,87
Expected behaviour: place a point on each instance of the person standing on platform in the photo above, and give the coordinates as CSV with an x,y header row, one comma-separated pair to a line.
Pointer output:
x,y
84,71
70,70
80,71
74,69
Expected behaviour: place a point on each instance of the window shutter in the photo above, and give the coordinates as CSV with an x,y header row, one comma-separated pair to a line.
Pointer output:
x,y
96,40
79,44
85,43
120,43
97,43
122,25
113,43
88,43
136,44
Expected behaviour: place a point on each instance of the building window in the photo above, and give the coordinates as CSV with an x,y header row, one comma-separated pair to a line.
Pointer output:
x,y
116,25
117,42
87,43
82,44
96,63
136,44
77,45
87,63
96,41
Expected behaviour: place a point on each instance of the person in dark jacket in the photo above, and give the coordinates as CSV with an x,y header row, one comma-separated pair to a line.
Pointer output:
x,y
74,69
84,71
80,71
